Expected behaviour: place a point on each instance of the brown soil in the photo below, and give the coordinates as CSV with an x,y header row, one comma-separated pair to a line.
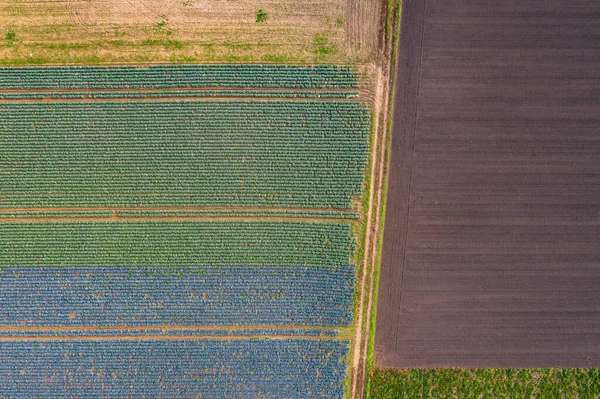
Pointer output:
x,y
494,166
113,218
172,208
193,88
165,337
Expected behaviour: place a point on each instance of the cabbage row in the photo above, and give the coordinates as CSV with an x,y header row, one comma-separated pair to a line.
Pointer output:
x,y
208,213
177,93
168,332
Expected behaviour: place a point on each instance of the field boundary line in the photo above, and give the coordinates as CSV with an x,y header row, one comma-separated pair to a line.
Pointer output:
x,y
117,219
175,209
168,338
184,88
175,99
169,327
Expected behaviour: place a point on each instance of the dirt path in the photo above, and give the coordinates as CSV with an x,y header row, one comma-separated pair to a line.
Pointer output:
x,y
359,359
67,219
374,247
361,341
175,208
166,337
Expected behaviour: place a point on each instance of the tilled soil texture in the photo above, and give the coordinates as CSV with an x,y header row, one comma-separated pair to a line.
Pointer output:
x,y
491,251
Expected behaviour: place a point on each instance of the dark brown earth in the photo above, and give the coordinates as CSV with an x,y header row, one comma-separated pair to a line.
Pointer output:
x,y
491,252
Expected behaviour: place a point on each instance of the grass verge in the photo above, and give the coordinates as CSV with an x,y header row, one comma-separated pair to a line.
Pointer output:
x,y
485,384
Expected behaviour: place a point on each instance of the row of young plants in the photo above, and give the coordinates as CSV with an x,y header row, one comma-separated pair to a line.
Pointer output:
x,y
207,213
37,95
210,369
169,331
205,153
178,76
242,213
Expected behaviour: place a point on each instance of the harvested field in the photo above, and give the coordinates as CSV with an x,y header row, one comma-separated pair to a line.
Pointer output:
x,y
184,31
492,241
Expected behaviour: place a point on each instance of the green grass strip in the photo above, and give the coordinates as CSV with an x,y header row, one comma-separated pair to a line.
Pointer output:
x,y
485,384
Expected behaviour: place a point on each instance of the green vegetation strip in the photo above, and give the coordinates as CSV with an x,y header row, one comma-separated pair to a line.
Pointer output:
x,y
172,244
485,384
208,213
179,76
65,95
242,213
56,214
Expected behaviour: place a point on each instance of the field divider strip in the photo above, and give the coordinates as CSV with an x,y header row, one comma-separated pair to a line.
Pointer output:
x,y
175,208
169,327
184,88
116,219
170,338
175,99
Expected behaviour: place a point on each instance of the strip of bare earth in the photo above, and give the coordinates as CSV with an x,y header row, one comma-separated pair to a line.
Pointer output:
x,y
167,337
167,218
165,327
378,174
172,208
188,88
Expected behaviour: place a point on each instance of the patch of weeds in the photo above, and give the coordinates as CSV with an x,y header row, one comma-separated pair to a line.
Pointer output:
x,y
187,3
261,16
339,22
322,46
168,44
162,23
10,36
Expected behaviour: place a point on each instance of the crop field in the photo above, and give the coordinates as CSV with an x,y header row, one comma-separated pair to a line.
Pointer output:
x,y
180,231
275,368
491,246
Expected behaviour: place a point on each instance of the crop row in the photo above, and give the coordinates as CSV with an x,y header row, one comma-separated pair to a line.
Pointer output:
x,y
177,93
178,332
175,244
333,214
56,214
243,213
190,153
207,295
178,76
242,369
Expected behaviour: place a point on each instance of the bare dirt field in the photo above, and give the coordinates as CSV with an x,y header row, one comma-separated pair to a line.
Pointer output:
x,y
491,252
143,31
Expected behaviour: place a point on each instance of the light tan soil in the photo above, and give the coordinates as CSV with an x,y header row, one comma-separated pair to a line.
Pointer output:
x,y
147,31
